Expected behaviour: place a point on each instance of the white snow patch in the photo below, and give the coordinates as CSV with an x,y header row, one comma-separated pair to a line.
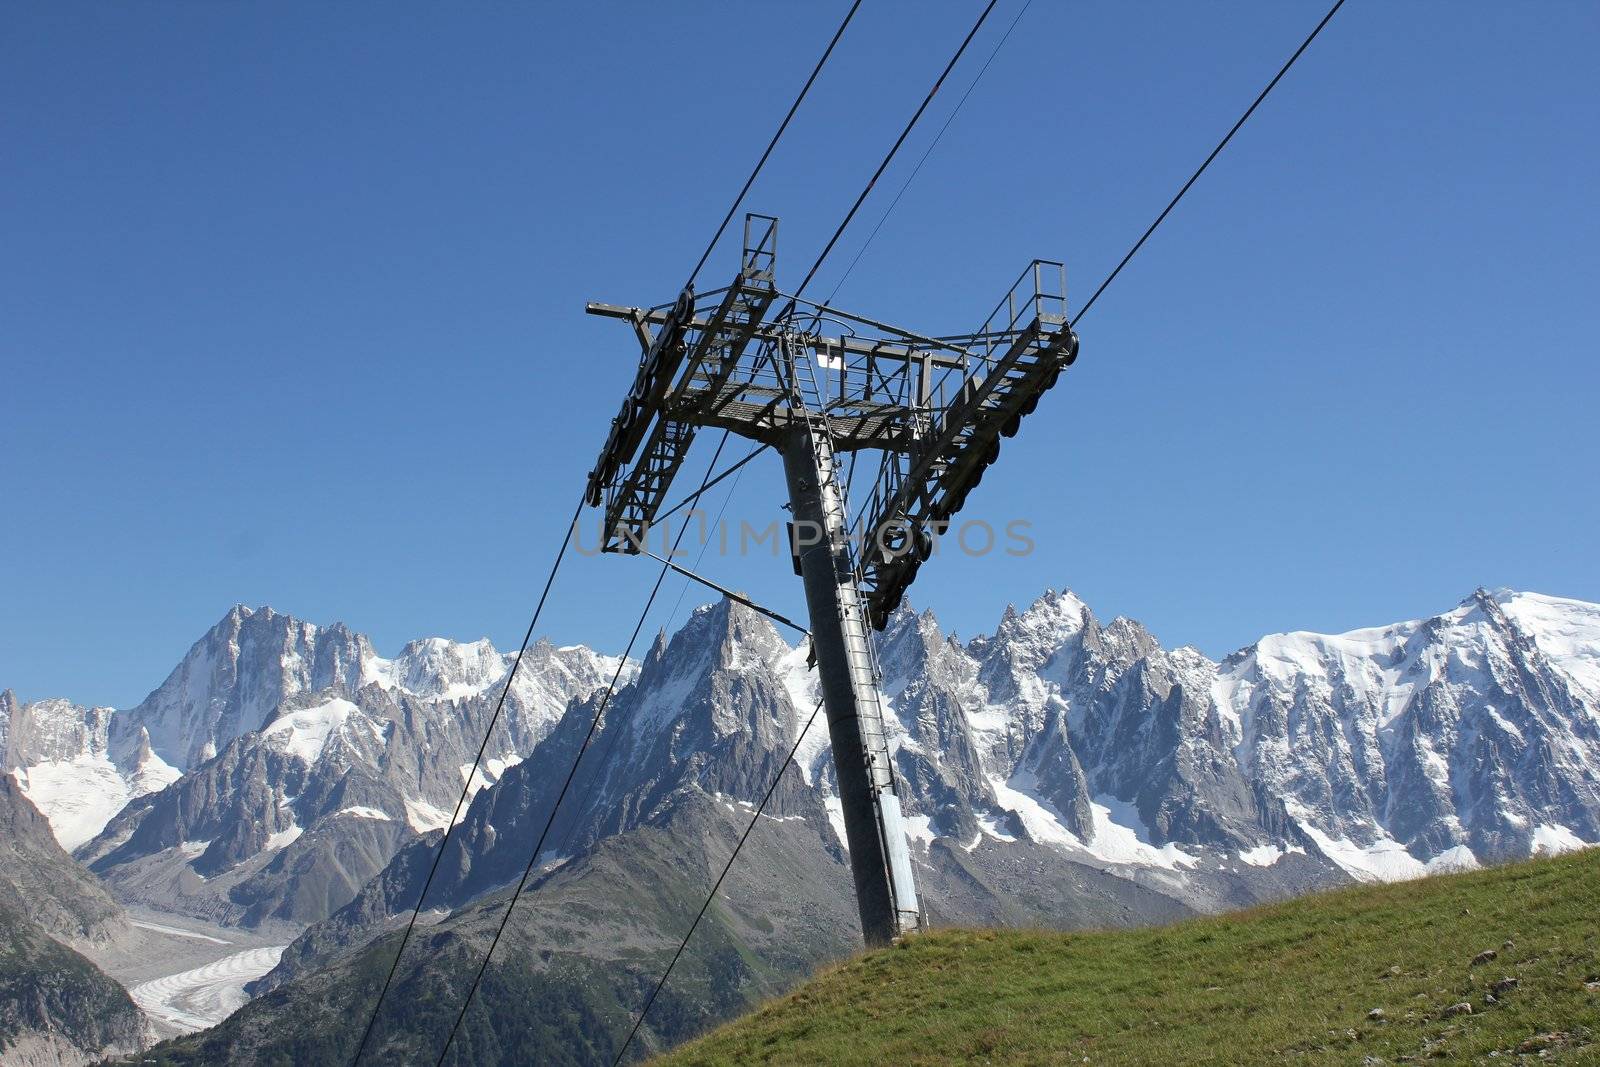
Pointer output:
x,y
920,828
800,683
1120,836
835,808
77,796
1267,855
1040,819
745,807
422,816
175,932
988,824
191,849
1385,861
283,838
1568,631
1555,838
305,733
1459,858
361,812
1505,724
487,773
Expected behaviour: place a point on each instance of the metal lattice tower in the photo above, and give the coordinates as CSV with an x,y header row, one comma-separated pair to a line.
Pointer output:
x,y
935,408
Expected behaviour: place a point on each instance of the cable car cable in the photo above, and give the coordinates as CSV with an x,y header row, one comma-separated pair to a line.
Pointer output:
x,y
572,772
889,158
561,554
726,867
1214,153
748,182
761,808
928,152
488,732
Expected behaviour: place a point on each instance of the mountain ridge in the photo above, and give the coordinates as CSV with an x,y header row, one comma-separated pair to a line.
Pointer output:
x,y
1056,772
1058,745
82,765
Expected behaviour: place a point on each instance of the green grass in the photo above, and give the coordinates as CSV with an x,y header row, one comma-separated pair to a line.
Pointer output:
x,y
1291,982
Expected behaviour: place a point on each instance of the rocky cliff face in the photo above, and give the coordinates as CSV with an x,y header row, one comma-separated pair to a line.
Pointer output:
x,y
81,766
55,1006
290,819
43,884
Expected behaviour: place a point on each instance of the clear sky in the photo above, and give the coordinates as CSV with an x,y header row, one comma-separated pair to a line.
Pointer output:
x,y
291,302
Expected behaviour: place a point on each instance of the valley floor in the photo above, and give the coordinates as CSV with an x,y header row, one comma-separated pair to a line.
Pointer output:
x,y
186,974
1493,966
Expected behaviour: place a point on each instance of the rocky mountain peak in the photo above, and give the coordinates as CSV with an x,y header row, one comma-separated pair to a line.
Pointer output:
x,y
80,766
908,646
437,666
233,678
1030,637
722,635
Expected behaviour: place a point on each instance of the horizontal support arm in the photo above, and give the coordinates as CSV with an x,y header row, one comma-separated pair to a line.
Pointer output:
x,y
847,345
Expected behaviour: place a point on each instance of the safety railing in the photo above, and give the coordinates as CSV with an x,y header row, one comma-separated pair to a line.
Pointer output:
x,y
1040,293
760,248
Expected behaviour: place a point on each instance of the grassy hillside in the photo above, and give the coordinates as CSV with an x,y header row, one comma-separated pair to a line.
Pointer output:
x,y
1296,982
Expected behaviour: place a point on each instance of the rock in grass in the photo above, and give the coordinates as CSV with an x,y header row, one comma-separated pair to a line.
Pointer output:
x,y
1486,956
1462,1008
1504,986
1540,1042
1376,1015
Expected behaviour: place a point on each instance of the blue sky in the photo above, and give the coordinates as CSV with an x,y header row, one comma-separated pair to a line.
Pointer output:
x,y
292,303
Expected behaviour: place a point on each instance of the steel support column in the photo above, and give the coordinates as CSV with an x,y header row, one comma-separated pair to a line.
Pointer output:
x,y
879,858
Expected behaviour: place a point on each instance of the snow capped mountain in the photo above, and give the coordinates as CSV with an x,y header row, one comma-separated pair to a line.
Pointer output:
x,y
61,756
1058,730
1468,737
1302,760
288,820
81,766
1471,736
1060,771
436,667
1057,751
1068,745
236,676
